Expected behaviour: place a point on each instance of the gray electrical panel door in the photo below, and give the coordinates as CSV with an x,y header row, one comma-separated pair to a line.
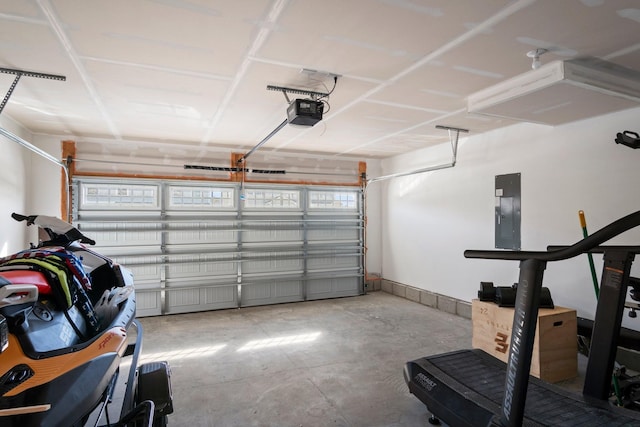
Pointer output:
x,y
507,218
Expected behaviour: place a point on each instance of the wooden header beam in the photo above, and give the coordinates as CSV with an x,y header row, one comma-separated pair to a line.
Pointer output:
x,y
69,155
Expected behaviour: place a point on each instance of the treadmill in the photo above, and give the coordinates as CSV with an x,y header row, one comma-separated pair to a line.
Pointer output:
x,y
472,388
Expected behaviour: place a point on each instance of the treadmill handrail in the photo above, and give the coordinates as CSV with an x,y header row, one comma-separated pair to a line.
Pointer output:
x,y
585,245
633,249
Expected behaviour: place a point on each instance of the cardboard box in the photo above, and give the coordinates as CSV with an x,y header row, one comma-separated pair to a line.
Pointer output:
x,y
555,351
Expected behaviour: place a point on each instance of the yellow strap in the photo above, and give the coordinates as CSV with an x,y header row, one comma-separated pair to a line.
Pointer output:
x,y
61,273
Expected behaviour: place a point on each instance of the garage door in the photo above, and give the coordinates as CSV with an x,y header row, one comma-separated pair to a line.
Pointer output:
x,y
207,246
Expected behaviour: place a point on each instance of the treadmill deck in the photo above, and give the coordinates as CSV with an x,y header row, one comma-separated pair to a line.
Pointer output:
x,y
466,388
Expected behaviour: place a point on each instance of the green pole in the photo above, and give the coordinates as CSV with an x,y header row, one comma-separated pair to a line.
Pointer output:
x,y
585,233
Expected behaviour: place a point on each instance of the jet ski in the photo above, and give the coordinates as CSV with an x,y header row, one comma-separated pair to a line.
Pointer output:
x,y
67,323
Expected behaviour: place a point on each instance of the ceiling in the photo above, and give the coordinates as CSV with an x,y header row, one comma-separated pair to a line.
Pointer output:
x,y
187,78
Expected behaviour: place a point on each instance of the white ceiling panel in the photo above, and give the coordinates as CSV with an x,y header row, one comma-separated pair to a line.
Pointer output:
x,y
187,79
207,37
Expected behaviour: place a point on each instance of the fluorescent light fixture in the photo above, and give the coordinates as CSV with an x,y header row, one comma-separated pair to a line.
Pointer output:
x,y
561,92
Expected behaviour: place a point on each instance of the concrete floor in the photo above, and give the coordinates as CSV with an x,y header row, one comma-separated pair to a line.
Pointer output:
x,y
322,363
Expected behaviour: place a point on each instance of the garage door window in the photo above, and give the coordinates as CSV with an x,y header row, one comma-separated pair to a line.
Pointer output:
x,y
272,199
202,198
118,196
333,200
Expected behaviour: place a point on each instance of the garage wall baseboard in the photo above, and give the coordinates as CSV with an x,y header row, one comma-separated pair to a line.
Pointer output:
x,y
626,357
424,297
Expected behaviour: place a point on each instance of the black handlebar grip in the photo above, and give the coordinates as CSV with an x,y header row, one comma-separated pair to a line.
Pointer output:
x,y
29,219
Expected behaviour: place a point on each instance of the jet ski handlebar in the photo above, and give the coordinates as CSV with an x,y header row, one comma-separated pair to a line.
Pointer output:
x,y
59,231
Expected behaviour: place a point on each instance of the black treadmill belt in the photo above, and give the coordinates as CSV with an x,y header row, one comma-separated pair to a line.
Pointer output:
x,y
546,404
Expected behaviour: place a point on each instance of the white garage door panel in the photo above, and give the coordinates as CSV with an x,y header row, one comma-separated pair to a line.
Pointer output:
x,y
203,233
202,248
111,234
210,246
330,288
271,292
284,261
338,261
144,268
113,252
182,266
260,236
227,295
148,302
200,299
336,234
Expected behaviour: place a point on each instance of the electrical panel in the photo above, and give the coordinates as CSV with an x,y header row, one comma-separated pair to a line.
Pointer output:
x,y
507,215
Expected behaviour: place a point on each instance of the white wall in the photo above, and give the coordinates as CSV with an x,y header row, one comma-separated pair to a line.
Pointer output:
x,y
29,185
46,177
430,219
15,163
373,240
